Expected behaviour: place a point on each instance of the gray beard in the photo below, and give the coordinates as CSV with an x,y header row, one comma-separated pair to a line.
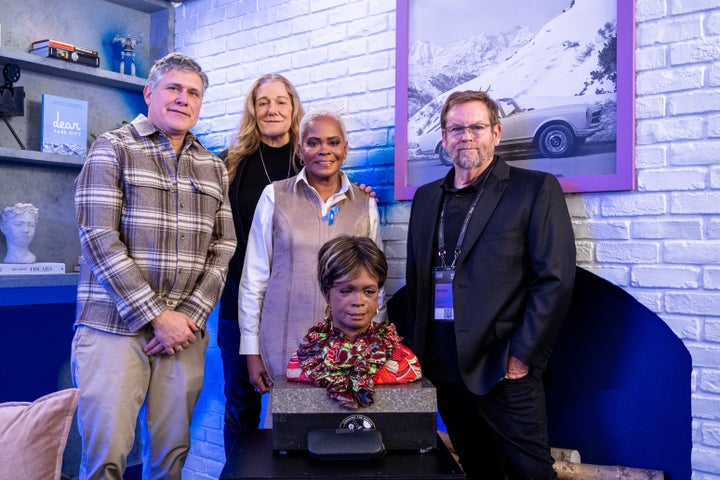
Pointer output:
x,y
468,162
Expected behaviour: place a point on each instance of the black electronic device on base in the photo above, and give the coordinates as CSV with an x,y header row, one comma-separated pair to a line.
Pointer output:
x,y
12,99
344,444
252,457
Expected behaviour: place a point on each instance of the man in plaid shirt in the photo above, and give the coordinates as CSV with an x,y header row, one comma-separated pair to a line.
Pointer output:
x,y
156,234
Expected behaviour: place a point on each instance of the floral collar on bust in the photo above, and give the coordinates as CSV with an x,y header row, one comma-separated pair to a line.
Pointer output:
x,y
346,368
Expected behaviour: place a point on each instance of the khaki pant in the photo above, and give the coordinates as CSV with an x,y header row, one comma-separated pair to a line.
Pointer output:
x,y
118,381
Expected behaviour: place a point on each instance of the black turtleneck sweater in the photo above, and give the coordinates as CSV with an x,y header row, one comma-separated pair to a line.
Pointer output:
x,y
245,191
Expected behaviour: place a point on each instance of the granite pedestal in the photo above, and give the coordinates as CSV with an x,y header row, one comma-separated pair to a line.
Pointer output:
x,y
405,415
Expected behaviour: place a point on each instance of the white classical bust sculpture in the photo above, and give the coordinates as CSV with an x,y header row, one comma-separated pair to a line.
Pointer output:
x,y
18,223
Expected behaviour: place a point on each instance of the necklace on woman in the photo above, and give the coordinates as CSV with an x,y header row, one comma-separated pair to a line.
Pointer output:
x,y
262,161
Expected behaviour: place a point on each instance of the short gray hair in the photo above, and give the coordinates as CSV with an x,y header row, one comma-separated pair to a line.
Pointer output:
x,y
175,61
321,113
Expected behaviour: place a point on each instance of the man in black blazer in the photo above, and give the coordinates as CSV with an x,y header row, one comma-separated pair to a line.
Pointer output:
x,y
490,272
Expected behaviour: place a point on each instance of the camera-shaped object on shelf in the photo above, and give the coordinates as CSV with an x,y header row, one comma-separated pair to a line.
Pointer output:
x,y
12,99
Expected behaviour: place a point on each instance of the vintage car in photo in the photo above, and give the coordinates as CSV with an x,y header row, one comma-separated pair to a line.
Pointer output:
x,y
553,131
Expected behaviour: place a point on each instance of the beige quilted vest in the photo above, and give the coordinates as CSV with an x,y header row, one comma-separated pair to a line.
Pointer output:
x,y
293,302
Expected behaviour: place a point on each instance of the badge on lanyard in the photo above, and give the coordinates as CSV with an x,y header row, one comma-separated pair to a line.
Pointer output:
x,y
443,283
443,275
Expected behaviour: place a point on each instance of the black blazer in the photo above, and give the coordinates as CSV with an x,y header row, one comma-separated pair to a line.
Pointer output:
x,y
513,279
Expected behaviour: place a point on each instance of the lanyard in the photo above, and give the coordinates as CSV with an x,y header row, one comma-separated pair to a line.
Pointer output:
x,y
441,226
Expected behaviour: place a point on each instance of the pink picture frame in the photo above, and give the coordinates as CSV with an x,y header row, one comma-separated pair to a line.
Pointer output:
x,y
604,161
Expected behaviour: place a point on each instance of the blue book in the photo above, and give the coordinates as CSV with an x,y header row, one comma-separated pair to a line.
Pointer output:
x,y
64,125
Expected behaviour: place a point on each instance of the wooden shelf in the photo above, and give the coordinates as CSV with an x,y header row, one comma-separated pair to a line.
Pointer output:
x,y
40,158
61,68
148,6
52,280
19,290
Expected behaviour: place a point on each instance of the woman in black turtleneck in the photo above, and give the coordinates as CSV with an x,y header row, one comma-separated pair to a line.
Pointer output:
x,y
263,151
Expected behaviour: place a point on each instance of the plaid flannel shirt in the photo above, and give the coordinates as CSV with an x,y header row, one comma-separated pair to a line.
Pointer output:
x,y
156,230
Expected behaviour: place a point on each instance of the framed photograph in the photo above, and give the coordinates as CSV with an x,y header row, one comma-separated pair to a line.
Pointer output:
x,y
561,71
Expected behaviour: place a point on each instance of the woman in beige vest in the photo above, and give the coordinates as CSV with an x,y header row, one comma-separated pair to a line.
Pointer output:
x,y
279,299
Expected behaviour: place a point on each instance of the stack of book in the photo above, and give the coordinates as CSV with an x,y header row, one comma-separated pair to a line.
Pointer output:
x,y
42,268
65,51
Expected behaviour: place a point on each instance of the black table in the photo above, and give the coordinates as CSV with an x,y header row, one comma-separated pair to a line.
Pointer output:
x,y
252,458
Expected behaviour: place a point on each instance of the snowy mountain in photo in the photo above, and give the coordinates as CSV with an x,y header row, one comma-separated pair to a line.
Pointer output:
x,y
553,66
435,70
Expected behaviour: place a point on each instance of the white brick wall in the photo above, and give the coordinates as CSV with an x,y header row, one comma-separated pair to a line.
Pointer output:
x,y
660,242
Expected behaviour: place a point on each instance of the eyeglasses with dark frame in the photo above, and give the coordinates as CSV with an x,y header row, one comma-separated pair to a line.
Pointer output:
x,y
476,129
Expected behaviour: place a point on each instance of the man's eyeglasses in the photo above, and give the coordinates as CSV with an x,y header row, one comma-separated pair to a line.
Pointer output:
x,y
457,131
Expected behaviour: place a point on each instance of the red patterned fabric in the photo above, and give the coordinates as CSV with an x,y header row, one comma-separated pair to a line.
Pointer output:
x,y
349,371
